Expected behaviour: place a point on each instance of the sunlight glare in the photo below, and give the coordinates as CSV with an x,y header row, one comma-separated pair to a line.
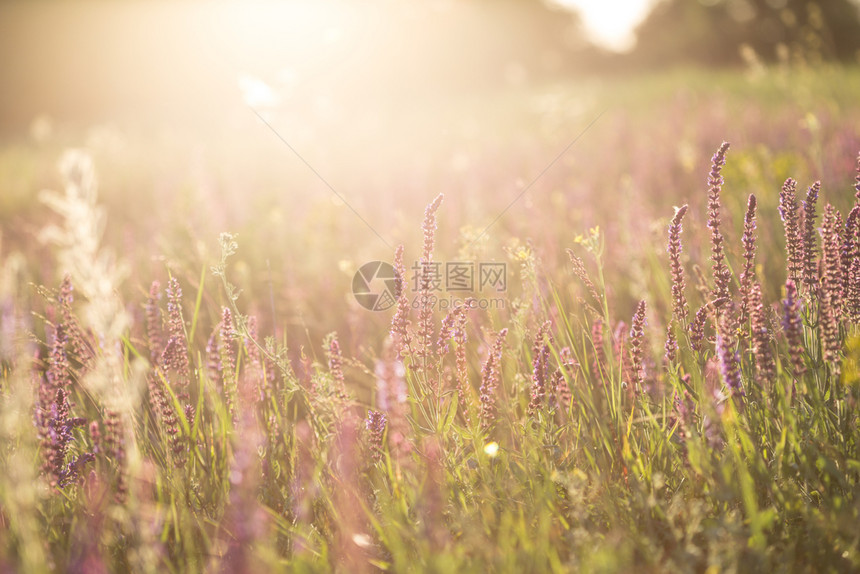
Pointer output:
x,y
611,23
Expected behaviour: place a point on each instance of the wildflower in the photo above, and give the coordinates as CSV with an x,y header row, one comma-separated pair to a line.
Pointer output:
x,y
792,325
227,344
831,284
722,275
852,294
490,378
96,437
59,371
671,347
540,369
171,427
115,449
637,342
697,329
425,313
175,323
685,412
375,424
793,241
810,247
57,427
227,348
400,323
850,253
765,366
831,256
174,358
77,346
729,359
579,271
857,181
679,301
749,238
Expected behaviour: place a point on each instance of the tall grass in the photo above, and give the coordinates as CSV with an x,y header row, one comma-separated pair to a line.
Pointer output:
x,y
548,437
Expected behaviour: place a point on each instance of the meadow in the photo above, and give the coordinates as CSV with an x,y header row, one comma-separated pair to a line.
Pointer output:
x,y
667,380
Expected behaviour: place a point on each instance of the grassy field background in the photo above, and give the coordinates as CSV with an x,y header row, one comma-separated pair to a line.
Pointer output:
x,y
160,428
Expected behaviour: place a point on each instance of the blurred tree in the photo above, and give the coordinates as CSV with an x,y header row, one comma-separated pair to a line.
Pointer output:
x,y
716,32
466,44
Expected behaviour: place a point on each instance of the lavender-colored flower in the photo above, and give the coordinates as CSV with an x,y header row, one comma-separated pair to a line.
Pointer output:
x,y
749,240
765,366
637,344
189,414
77,346
540,369
227,351
114,443
175,355
729,358
579,271
685,413
831,256
810,244
375,424
165,411
857,181
56,437
59,371
400,323
830,299
679,300
852,271
850,252
227,345
425,312
177,441
175,323
792,325
721,273
490,378
671,346
793,241
697,329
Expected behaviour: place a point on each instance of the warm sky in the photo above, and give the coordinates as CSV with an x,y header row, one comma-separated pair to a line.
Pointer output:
x,y
611,22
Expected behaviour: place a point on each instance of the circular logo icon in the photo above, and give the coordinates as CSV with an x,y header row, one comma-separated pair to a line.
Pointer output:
x,y
374,286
